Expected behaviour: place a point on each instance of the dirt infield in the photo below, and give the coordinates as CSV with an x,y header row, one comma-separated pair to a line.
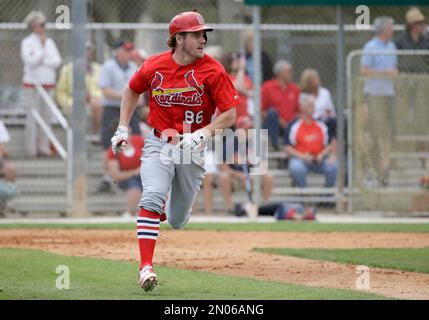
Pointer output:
x,y
230,253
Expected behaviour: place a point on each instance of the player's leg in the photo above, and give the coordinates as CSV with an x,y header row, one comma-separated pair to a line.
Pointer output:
x,y
156,181
185,186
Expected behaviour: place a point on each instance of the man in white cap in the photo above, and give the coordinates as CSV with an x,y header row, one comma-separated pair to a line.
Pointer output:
x,y
41,59
415,37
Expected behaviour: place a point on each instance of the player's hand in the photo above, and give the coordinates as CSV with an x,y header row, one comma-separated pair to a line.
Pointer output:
x,y
120,139
193,141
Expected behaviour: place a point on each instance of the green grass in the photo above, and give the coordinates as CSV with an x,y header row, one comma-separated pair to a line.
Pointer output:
x,y
30,274
275,226
409,259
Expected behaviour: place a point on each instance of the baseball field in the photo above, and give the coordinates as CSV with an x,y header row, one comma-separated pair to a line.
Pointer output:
x,y
285,260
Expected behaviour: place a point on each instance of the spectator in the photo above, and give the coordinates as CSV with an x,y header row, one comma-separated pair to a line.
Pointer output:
x,y
233,175
41,59
378,110
414,37
124,167
324,107
267,65
307,144
114,76
7,170
93,92
310,83
235,66
279,104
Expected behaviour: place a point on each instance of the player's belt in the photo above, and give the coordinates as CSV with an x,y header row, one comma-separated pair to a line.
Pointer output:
x,y
162,136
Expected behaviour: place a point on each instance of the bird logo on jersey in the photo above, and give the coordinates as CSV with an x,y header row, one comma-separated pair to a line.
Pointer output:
x,y
189,96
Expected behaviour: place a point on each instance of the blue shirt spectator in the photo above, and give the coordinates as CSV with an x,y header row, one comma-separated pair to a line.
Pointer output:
x,y
379,64
115,74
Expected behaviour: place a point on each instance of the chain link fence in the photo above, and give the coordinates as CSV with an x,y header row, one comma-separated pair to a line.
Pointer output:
x,y
389,133
305,36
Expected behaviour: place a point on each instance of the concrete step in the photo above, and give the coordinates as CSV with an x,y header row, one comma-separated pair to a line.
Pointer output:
x,y
17,144
52,167
112,203
53,185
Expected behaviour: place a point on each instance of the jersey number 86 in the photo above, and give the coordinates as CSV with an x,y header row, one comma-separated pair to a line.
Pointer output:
x,y
191,117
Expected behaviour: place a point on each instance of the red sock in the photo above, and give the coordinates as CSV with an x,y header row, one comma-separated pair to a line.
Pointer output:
x,y
147,233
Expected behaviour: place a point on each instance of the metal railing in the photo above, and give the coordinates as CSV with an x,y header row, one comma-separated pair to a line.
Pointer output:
x,y
66,152
350,72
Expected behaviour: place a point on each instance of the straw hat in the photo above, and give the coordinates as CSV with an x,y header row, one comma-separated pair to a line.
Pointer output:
x,y
414,15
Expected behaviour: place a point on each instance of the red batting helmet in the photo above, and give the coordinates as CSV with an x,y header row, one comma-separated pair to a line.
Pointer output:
x,y
188,22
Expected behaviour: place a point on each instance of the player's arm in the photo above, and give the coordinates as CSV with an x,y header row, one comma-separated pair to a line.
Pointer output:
x,y
224,120
194,140
128,105
129,99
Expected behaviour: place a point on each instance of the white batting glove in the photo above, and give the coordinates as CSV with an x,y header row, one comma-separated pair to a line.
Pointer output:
x,y
120,139
193,141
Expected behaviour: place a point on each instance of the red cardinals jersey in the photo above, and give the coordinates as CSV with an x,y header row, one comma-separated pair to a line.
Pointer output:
x,y
181,95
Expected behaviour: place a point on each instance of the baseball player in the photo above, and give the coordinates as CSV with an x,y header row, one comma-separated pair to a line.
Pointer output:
x,y
185,87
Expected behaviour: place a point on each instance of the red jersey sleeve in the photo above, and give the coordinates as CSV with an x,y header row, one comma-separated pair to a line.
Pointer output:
x,y
224,93
139,82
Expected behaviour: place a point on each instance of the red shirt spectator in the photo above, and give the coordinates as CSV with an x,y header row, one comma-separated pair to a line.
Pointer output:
x,y
283,98
130,158
307,137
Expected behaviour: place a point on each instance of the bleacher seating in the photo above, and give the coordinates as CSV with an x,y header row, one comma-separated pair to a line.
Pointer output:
x,y
42,182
